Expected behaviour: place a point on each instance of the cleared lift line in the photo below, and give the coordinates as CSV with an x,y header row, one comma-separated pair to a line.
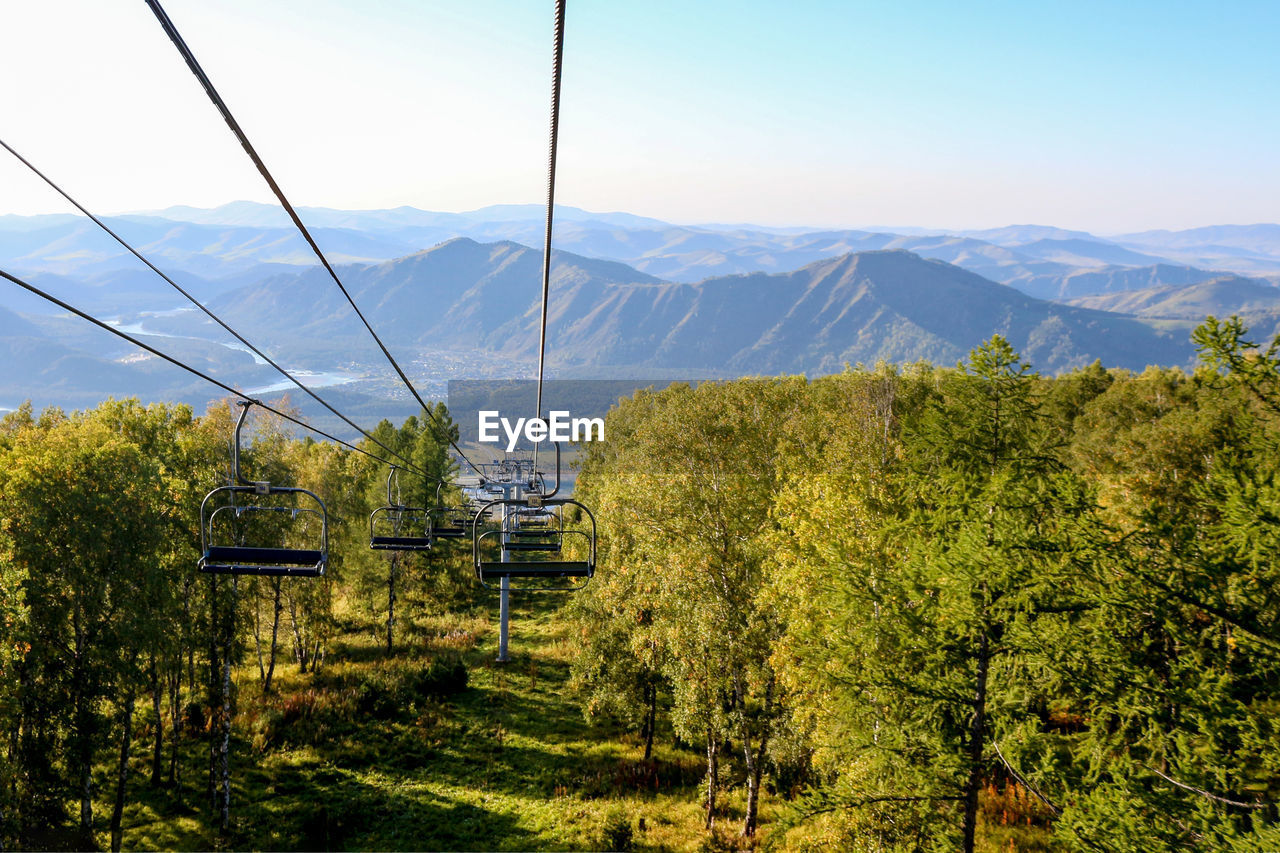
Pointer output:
x,y
220,104
532,532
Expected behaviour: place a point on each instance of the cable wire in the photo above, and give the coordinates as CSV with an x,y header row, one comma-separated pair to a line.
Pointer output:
x,y
224,386
221,105
196,302
557,68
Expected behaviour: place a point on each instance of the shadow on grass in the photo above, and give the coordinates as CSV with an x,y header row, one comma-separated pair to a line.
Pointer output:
x,y
533,773
312,805
365,816
322,769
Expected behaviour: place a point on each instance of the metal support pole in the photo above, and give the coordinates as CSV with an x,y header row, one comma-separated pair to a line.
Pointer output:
x,y
504,616
504,596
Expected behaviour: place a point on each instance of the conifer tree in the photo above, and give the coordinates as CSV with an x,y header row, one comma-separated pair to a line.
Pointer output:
x,y
954,570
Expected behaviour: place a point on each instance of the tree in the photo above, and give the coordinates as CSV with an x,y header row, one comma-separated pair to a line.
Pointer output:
x,y
431,580
83,563
691,489
958,558
621,664
1177,669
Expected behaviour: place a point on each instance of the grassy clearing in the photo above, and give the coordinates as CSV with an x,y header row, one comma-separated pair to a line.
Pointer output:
x,y
385,753
364,755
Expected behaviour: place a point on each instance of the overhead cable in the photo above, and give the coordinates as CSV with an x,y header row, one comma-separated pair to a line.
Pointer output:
x,y
221,105
196,302
176,362
557,67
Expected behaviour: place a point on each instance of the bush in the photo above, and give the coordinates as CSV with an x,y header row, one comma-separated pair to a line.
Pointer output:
x,y
193,719
376,697
444,676
388,692
617,834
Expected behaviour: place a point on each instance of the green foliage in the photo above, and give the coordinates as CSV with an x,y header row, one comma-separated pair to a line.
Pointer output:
x,y
992,597
684,498
618,835
1176,671
891,609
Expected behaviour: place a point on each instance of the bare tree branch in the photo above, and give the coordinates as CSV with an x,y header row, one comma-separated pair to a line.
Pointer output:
x,y
1023,781
1207,795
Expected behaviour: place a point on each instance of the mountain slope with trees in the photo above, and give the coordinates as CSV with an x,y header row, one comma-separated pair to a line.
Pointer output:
x,y
953,608
867,307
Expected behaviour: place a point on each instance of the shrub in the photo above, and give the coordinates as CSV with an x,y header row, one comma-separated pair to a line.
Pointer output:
x,y
193,718
444,676
617,834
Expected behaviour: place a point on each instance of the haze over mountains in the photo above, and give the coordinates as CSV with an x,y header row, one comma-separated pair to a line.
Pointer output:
x,y
456,296
858,307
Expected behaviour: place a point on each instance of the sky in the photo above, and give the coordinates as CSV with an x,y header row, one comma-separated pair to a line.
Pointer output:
x,y
1109,117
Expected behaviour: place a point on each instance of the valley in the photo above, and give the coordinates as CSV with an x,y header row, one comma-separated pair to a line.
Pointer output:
x,y
455,297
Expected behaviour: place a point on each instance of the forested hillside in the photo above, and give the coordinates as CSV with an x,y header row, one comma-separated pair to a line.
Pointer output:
x,y
883,305
886,610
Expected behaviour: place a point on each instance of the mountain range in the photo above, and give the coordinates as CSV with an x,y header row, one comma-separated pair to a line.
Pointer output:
x,y
243,242
455,294
889,305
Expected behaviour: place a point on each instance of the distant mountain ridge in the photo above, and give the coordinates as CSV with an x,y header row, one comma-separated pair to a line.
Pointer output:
x,y
455,292
245,241
1258,304
248,213
859,307
1218,296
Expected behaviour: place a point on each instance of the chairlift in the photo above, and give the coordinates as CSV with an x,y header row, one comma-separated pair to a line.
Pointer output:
x,y
497,554
448,522
226,525
533,529
396,527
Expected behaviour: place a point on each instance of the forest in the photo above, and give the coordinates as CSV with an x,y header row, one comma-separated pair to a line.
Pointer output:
x,y
899,608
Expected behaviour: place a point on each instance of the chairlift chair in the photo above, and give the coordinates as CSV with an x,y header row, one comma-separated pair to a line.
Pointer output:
x,y
396,527
533,529
448,522
221,512
548,564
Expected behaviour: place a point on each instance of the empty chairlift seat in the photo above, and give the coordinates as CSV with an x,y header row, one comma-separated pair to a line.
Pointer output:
x,y
399,528
554,541
255,528
259,538
450,522
396,527
533,529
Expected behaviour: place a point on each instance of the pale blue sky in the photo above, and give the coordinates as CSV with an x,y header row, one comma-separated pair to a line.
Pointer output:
x,y
1102,116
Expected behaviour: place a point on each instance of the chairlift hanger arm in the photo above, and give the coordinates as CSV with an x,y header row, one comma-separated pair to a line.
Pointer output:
x,y
262,487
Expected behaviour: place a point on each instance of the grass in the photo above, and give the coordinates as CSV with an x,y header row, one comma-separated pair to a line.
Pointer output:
x,y
347,759
380,752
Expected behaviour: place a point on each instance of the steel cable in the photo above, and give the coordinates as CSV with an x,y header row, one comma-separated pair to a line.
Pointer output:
x,y
222,108
197,303
178,363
